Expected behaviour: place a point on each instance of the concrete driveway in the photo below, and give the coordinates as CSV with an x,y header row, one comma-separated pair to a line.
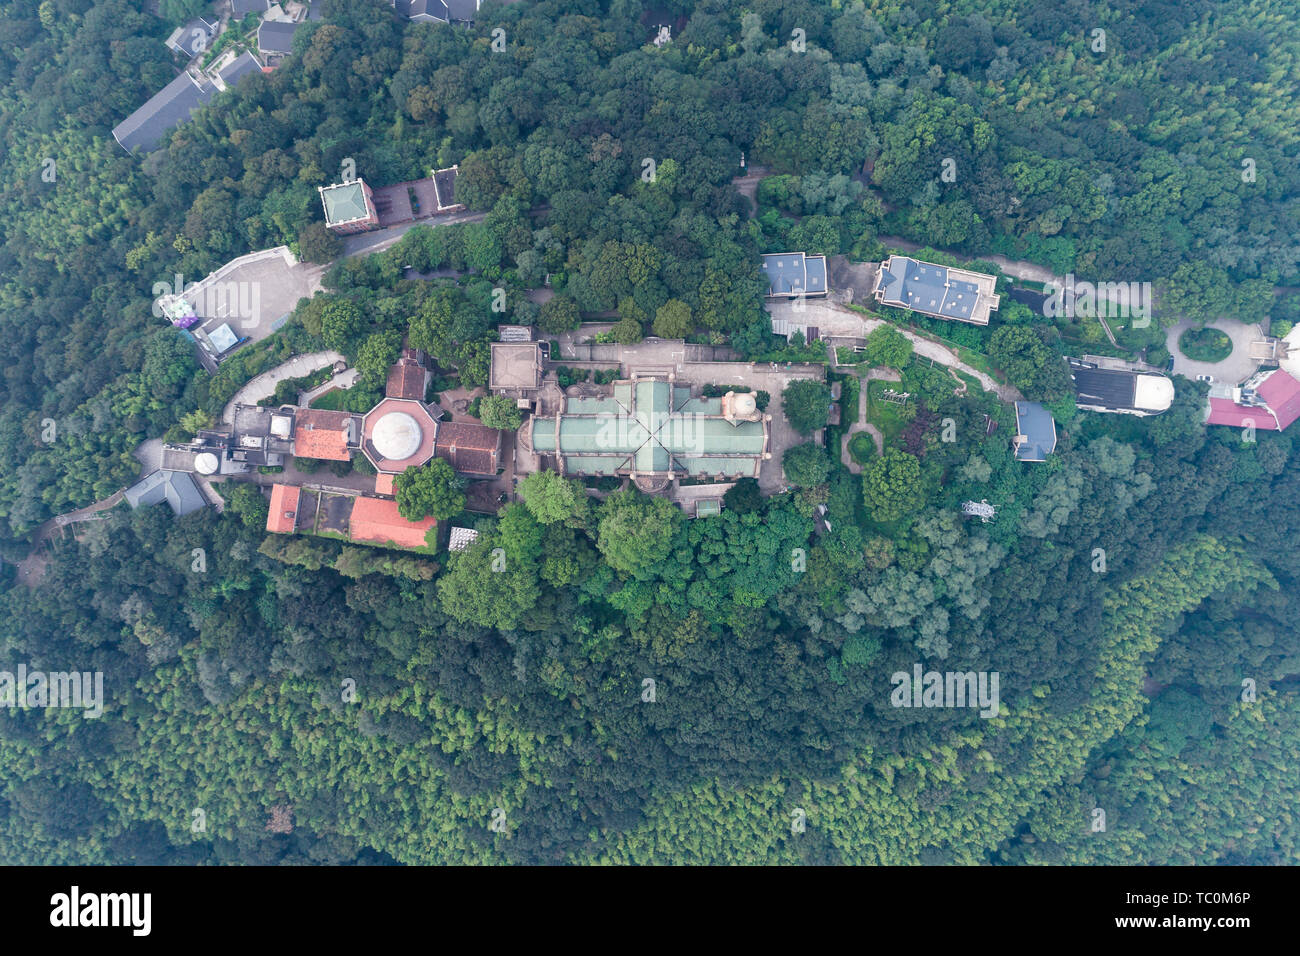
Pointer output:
x,y
1233,370
834,321
363,244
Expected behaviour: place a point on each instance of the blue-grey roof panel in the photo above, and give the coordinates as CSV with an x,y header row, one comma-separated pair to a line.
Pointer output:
x,y
174,104
1036,424
177,488
276,37
240,67
785,273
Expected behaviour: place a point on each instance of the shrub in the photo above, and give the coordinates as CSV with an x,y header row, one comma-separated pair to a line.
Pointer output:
x,y
1205,345
862,448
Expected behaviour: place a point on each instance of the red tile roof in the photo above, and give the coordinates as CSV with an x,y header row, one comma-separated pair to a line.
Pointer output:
x,y
1224,411
384,484
472,449
283,516
376,520
1282,392
321,433
406,380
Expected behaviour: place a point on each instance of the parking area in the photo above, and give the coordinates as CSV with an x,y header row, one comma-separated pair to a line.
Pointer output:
x,y
252,295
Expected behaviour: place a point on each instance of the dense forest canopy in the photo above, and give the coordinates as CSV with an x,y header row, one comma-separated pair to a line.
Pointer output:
x,y
635,686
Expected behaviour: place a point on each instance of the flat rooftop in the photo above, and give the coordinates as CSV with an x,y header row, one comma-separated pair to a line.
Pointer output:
x,y
515,365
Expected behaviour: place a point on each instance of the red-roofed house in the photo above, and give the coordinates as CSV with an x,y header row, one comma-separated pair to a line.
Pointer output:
x,y
406,379
1282,394
327,434
384,484
377,521
283,516
1224,411
1270,400
471,449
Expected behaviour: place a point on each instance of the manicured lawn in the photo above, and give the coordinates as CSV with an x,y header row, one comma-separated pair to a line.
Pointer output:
x,y
885,415
1205,345
332,400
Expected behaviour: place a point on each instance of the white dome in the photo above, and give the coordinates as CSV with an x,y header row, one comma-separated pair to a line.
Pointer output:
x,y
206,463
1153,393
397,436
743,404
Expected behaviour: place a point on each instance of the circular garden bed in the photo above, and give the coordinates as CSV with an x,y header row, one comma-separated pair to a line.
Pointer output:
x,y
1205,345
862,448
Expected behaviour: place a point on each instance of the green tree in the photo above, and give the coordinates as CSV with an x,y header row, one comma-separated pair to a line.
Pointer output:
x,y
499,411
551,498
673,320
888,347
806,465
559,314
432,490
483,585
248,503
630,328
891,486
376,355
1030,363
341,323
636,531
316,243
807,405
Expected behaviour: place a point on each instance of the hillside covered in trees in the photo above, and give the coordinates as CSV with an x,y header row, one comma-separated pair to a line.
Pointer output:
x,y
635,686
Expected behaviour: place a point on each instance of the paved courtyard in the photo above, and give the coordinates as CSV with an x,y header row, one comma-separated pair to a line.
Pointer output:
x,y
253,293
1233,370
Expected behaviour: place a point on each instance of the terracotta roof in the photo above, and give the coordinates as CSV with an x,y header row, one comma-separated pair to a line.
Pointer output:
x,y
377,521
383,484
1282,392
321,433
406,380
472,449
283,516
